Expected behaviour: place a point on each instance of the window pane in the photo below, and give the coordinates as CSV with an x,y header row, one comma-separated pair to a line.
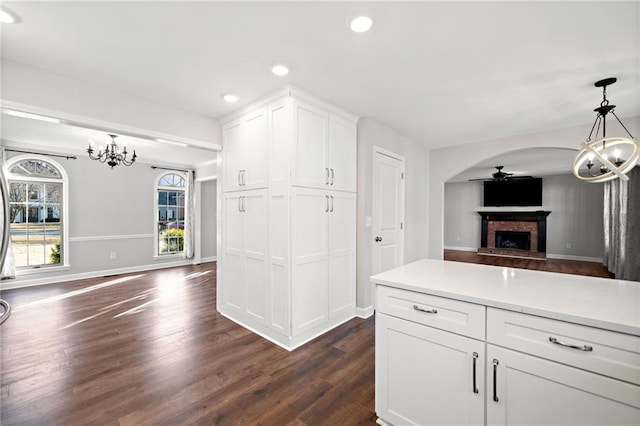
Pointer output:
x,y
171,213
181,198
53,193
173,198
162,197
36,192
17,191
180,213
162,214
35,169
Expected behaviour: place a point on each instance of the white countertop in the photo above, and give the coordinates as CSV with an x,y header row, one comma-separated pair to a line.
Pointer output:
x,y
597,302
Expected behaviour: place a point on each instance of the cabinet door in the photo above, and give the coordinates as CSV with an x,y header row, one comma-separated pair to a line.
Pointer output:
x,y
254,207
425,376
232,156
309,245
233,259
534,391
342,154
342,253
310,147
255,150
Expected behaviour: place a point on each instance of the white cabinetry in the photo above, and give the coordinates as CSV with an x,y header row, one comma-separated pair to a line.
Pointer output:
x,y
245,152
324,152
245,253
432,351
285,143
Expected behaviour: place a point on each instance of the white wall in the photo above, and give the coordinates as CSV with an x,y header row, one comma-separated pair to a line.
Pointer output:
x,y
445,163
370,134
576,216
64,97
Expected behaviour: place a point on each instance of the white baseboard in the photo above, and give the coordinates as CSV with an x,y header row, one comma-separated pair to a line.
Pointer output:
x,y
209,259
570,257
364,313
461,248
21,283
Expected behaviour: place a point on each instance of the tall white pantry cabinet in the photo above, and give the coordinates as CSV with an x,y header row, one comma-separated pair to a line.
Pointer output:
x,y
286,268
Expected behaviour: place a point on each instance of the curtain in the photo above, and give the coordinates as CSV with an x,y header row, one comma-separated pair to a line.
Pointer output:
x,y
189,239
622,226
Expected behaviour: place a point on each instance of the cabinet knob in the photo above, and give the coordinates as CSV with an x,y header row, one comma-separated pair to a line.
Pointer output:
x,y
378,239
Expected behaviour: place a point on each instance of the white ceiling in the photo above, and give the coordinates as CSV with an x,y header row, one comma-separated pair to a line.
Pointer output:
x,y
441,73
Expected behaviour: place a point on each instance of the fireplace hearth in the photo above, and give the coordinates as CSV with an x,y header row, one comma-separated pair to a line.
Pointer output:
x,y
514,234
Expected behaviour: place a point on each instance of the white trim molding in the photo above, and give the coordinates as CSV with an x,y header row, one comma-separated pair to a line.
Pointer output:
x,y
109,237
365,313
571,257
460,248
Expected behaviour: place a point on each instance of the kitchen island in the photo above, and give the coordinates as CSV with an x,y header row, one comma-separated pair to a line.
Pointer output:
x,y
460,343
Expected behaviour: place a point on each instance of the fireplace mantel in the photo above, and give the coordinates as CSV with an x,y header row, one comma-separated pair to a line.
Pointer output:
x,y
539,247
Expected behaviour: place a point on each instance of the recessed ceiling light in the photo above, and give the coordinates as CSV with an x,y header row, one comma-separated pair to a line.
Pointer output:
x,y
280,70
361,24
230,98
7,16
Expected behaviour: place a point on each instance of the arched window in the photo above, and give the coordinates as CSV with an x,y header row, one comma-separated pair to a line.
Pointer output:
x,y
170,214
37,198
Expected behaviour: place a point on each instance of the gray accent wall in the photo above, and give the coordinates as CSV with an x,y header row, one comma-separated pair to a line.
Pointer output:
x,y
208,230
574,227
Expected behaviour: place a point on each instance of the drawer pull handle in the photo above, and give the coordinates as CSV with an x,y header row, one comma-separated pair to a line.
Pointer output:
x,y
430,311
495,380
475,387
586,348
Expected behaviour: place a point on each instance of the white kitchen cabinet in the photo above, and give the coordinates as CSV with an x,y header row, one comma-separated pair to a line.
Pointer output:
x,y
245,153
324,149
549,359
528,390
308,286
323,256
245,253
426,376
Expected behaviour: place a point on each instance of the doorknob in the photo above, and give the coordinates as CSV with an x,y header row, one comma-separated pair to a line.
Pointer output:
x,y
378,239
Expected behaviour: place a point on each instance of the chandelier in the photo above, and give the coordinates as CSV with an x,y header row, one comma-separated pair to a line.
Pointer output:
x,y
111,154
608,152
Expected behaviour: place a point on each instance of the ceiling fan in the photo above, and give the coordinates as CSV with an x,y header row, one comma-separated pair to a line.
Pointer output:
x,y
502,176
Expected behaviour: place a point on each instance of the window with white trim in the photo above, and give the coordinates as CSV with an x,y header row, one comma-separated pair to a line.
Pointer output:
x,y
170,214
37,196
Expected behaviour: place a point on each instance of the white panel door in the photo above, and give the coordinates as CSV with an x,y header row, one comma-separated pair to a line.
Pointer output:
x,y
233,261
255,150
342,253
232,156
425,376
342,154
309,256
254,209
388,212
310,146
533,391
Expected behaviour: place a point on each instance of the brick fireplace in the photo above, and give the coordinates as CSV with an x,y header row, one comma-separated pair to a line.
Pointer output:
x,y
515,234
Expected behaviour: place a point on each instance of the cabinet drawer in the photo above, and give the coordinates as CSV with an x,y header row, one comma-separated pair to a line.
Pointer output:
x,y
457,317
605,352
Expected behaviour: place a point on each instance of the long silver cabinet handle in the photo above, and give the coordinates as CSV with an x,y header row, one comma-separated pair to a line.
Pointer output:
x,y
326,176
240,204
475,386
239,180
430,311
331,177
327,205
243,173
586,348
495,380
331,196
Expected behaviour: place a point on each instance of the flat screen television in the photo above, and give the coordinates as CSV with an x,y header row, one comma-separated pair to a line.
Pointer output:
x,y
513,193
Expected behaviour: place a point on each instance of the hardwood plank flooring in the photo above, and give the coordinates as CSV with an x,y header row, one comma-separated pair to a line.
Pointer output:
x,y
150,348
574,267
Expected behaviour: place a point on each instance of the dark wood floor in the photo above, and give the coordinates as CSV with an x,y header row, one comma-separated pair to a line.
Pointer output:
x,y
150,348
575,267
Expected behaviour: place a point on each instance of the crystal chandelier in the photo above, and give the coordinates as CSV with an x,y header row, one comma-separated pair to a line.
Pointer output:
x,y
111,154
609,152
